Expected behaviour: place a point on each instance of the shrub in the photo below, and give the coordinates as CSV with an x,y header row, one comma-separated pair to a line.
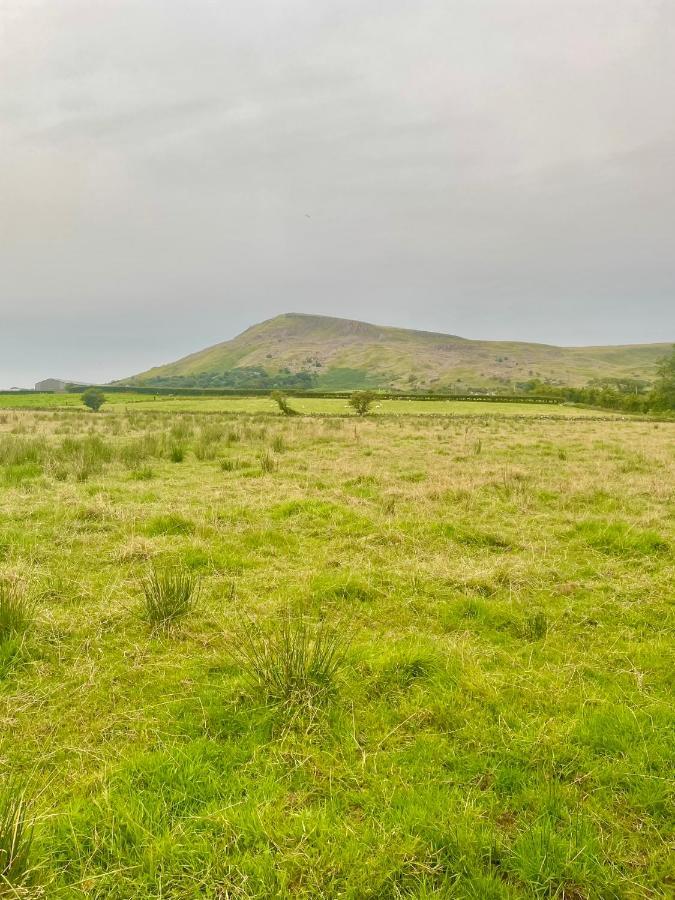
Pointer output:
x,y
293,665
282,402
169,595
16,838
93,399
16,610
361,401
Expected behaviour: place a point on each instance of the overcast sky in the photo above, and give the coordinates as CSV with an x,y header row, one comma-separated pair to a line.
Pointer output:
x,y
172,171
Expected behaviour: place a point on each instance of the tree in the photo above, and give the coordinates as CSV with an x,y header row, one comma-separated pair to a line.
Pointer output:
x,y
361,401
93,398
664,389
282,402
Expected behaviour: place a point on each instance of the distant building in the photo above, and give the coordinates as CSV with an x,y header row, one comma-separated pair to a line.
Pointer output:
x,y
57,385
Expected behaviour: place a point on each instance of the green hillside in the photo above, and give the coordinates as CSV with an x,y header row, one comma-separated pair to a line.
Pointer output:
x,y
328,353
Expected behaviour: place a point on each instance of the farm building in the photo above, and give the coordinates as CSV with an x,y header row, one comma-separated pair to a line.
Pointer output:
x,y
57,385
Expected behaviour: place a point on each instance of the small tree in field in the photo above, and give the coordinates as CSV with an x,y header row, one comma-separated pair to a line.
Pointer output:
x,y
664,389
361,401
281,401
93,398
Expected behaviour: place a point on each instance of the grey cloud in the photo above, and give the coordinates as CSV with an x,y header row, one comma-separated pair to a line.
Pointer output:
x,y
494,168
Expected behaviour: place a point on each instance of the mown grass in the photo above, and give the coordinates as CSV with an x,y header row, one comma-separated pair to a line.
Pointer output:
x,y
431,656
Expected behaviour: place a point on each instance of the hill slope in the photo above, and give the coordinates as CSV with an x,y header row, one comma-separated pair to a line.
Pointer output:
x,y
334,354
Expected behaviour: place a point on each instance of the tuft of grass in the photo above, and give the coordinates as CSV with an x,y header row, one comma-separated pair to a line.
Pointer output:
x,y
16,839
18,474
619,538
267,463
177,454
16,609
169,596
535,626
169,524
205,450
472,537
404,669
293,664
554,864
230,465
343,586
144,474
18,451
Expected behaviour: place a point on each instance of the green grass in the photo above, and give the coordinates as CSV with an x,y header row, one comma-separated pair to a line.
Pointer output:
x,y
415,669
63,401
121,403
16,609
16,837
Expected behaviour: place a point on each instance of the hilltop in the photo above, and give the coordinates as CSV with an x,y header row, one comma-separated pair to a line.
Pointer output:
x,y
323,352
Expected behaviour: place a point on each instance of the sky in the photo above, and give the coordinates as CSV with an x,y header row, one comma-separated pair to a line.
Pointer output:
x,y
173,171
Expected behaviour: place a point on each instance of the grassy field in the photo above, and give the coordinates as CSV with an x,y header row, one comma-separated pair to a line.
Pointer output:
x,y
250,656
121,402
40,401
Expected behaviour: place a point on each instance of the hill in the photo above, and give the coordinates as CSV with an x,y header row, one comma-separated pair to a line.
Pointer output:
x,y
296,350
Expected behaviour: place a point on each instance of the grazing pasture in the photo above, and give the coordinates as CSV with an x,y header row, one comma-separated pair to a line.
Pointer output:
x,y
245,655
204,403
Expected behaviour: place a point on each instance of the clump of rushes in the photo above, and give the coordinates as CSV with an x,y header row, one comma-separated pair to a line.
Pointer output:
x,y
292,664
176,454
278,443
267,463
16,609
169,596
16,839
